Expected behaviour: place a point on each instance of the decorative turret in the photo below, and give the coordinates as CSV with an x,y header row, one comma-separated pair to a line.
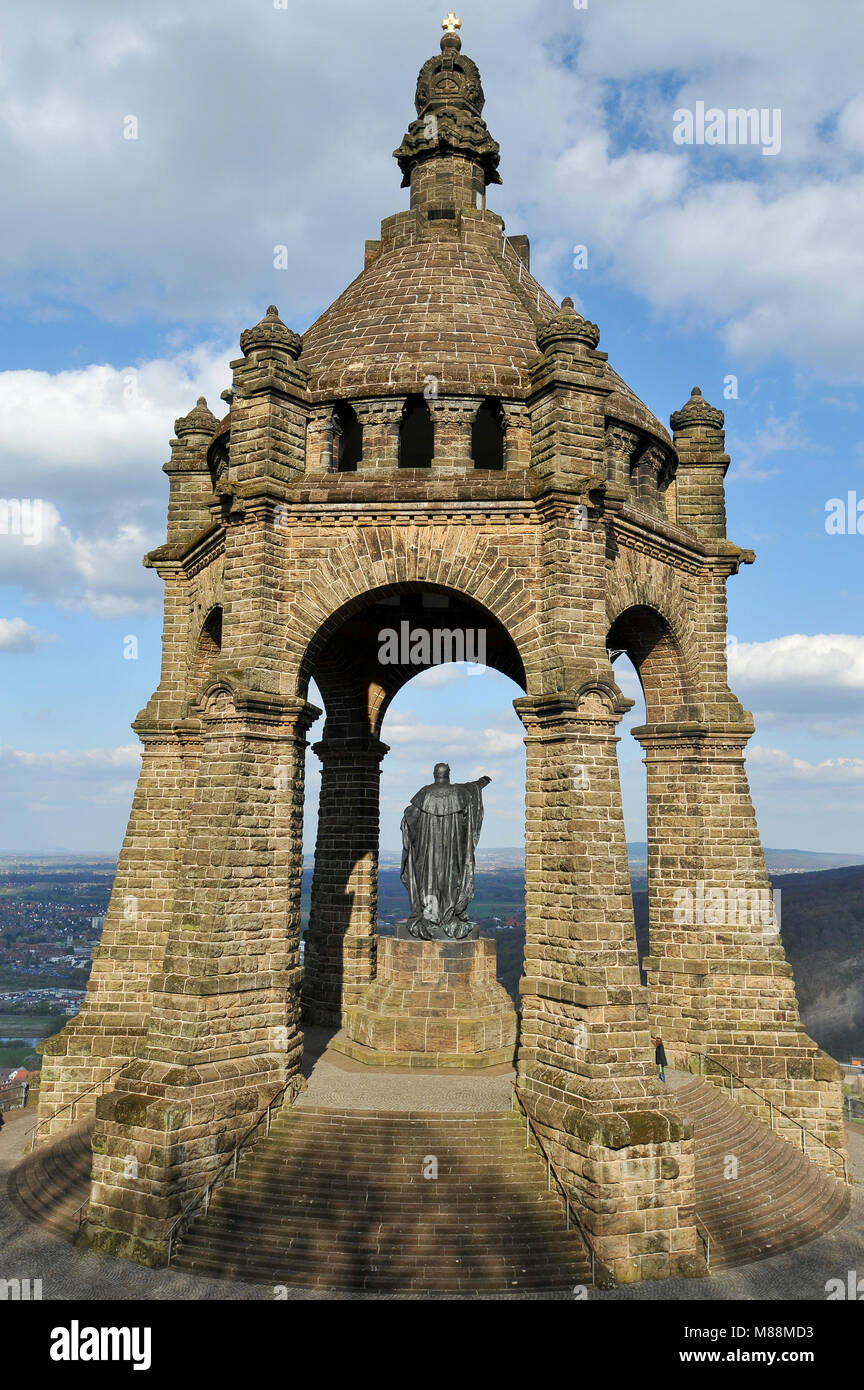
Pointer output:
x,y
567,328
448,157
700,443
199,423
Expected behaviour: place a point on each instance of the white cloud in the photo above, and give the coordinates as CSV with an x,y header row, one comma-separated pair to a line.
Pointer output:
x,y
60,762
814,682
833,661
16,635
402,728
581,103
88,446
778,435
827,773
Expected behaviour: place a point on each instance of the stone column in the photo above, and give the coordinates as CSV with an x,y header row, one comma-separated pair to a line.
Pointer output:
x,y
719,980
111,1023
649,469
517,435
380,420
453,417
341,940
224,1030
621,445
585,1055
319,440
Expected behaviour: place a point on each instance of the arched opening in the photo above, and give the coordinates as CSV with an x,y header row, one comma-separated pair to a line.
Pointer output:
x,y
207,650
487,435
416,434
218,455
452,652
347,438
650,668
648,640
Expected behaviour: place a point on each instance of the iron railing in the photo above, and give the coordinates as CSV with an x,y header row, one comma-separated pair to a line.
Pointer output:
x,y
552,1172
705,1236
293,1085
773,1109
854,1109
70,1104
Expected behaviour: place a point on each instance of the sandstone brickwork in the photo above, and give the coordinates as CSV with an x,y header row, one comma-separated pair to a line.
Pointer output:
x,y
600,533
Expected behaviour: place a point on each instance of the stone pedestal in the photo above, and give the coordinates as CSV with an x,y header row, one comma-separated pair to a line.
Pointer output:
x,y
432,1004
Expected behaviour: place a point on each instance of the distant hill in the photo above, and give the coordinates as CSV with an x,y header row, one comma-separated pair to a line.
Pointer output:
x,y
822,924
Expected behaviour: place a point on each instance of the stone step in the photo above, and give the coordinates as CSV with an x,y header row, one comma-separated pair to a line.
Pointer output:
x,y
358,1213
780,1199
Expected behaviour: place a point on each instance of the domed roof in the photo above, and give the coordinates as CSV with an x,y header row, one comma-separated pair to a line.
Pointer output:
x,y
438,308
445,296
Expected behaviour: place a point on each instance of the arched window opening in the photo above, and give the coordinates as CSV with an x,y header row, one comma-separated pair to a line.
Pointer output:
x,y
217,457
416,434
347,438
487,435
208,649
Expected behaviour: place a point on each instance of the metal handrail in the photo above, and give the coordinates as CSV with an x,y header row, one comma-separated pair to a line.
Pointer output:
x,y
294,1085
745,1085
70,1104
708,1238
552,1172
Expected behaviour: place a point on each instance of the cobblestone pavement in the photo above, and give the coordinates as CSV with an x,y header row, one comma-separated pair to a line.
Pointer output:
x,y
29,1251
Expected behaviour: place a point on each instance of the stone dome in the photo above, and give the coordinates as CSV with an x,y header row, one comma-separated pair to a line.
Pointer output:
x,y
444,295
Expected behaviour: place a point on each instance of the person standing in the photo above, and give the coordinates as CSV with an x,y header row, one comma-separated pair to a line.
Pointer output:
x,y
660,1057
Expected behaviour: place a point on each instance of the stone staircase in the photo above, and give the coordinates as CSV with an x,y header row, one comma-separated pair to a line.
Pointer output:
x,y
339,1200
779,1199
50,1184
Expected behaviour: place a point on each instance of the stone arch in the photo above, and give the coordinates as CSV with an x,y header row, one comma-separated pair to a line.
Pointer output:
x,y
648,639
459,559
207,650
487,435
357,687
416,434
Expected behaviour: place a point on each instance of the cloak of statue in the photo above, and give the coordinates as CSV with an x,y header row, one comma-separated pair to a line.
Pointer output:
x,y
440,830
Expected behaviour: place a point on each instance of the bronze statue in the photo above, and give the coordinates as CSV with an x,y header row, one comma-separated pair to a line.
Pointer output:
x,y
440,830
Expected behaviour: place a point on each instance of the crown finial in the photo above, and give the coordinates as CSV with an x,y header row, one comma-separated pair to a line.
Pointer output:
x,y
451,23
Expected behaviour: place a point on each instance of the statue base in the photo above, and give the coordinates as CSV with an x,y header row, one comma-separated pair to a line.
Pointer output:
x,y
432,1004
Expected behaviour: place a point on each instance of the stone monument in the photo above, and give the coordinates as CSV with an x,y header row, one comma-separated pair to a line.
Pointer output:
x,y
532,495
440,830
436,1000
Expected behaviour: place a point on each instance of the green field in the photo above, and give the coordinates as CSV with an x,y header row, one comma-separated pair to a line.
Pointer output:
x,y
30,1025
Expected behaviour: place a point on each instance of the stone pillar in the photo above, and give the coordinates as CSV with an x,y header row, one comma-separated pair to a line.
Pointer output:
x,y
380,420
585,1055
517,435
719,980
621,445
224,1034
319,440
650,467
453,417
341,940
111,1023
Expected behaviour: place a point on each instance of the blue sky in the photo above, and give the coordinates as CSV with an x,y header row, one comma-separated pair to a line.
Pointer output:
x,y
129,267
